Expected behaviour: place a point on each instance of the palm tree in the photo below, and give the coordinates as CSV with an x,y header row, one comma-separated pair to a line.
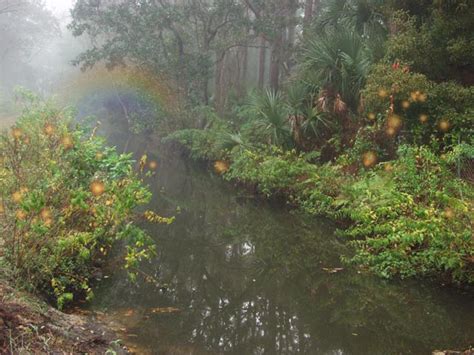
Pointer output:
x,y
363,16
339,62
306,122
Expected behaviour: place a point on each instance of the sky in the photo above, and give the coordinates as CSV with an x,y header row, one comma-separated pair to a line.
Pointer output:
x,y
59,7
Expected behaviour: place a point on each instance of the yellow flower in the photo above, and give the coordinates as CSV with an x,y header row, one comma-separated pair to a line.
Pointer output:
x,y
17,196
448,213
394,122
45,214
17,133
20,215
391,131
49,129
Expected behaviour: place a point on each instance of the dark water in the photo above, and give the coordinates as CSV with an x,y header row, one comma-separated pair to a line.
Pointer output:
x,y
241,276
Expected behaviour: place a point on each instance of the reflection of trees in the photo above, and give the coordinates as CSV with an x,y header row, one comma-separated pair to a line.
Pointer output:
x,y
248,279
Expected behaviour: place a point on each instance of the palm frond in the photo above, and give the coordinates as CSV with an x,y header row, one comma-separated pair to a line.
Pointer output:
x,y
270,114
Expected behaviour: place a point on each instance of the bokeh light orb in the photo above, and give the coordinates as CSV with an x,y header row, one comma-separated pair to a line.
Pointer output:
x,y
369,159
97,188
423,118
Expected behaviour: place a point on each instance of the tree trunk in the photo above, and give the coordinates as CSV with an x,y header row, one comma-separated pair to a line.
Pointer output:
x,y
276,60
243,76
290,38
219,94
262,63
205,90
308,15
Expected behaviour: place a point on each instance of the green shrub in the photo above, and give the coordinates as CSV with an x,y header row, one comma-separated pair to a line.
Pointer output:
x,y
65,200
414,218
271,169
266,119
288,173
423,112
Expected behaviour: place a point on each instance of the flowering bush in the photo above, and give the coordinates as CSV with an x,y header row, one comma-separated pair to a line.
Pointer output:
x,y
65,200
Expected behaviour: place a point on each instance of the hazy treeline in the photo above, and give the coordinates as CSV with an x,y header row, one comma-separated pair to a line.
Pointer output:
x,y
36,49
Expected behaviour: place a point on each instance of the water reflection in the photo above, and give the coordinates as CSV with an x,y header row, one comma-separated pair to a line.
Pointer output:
x,y
237,275
241,276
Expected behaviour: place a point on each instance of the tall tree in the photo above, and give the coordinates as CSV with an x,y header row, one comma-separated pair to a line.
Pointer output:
x,y
175,38
308,13
272,20
262,59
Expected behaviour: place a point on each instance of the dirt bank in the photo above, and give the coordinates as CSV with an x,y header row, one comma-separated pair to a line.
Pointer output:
x,y
28,325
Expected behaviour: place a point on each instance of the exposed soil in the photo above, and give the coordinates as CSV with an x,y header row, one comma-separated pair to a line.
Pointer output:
x,y
30,326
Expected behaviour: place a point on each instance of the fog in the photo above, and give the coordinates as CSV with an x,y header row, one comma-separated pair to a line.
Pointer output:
x,y
36,50
59,7
238,176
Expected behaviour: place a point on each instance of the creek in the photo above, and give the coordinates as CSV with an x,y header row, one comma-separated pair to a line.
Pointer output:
x,y
240,275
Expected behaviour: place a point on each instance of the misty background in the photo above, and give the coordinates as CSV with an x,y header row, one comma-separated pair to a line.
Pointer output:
x,y
36,50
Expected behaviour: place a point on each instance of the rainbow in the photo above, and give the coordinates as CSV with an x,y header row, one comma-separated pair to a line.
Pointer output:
x,y
123,80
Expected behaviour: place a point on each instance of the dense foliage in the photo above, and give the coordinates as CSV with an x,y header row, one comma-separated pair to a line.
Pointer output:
x,y
368,114
66,199
437,42
372,129
412,218
176,47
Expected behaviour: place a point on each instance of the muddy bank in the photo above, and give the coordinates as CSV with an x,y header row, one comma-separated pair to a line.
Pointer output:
x,y
28,325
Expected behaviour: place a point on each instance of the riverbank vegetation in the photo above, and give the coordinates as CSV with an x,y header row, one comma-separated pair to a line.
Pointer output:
x,y
66,200
358,110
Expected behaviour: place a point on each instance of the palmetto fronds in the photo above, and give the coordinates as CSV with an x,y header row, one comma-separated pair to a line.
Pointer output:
x,y
270,114
226,141
339,62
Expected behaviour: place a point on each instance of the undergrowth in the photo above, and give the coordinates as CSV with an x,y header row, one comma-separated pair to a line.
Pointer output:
x,y
410,216
66,199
